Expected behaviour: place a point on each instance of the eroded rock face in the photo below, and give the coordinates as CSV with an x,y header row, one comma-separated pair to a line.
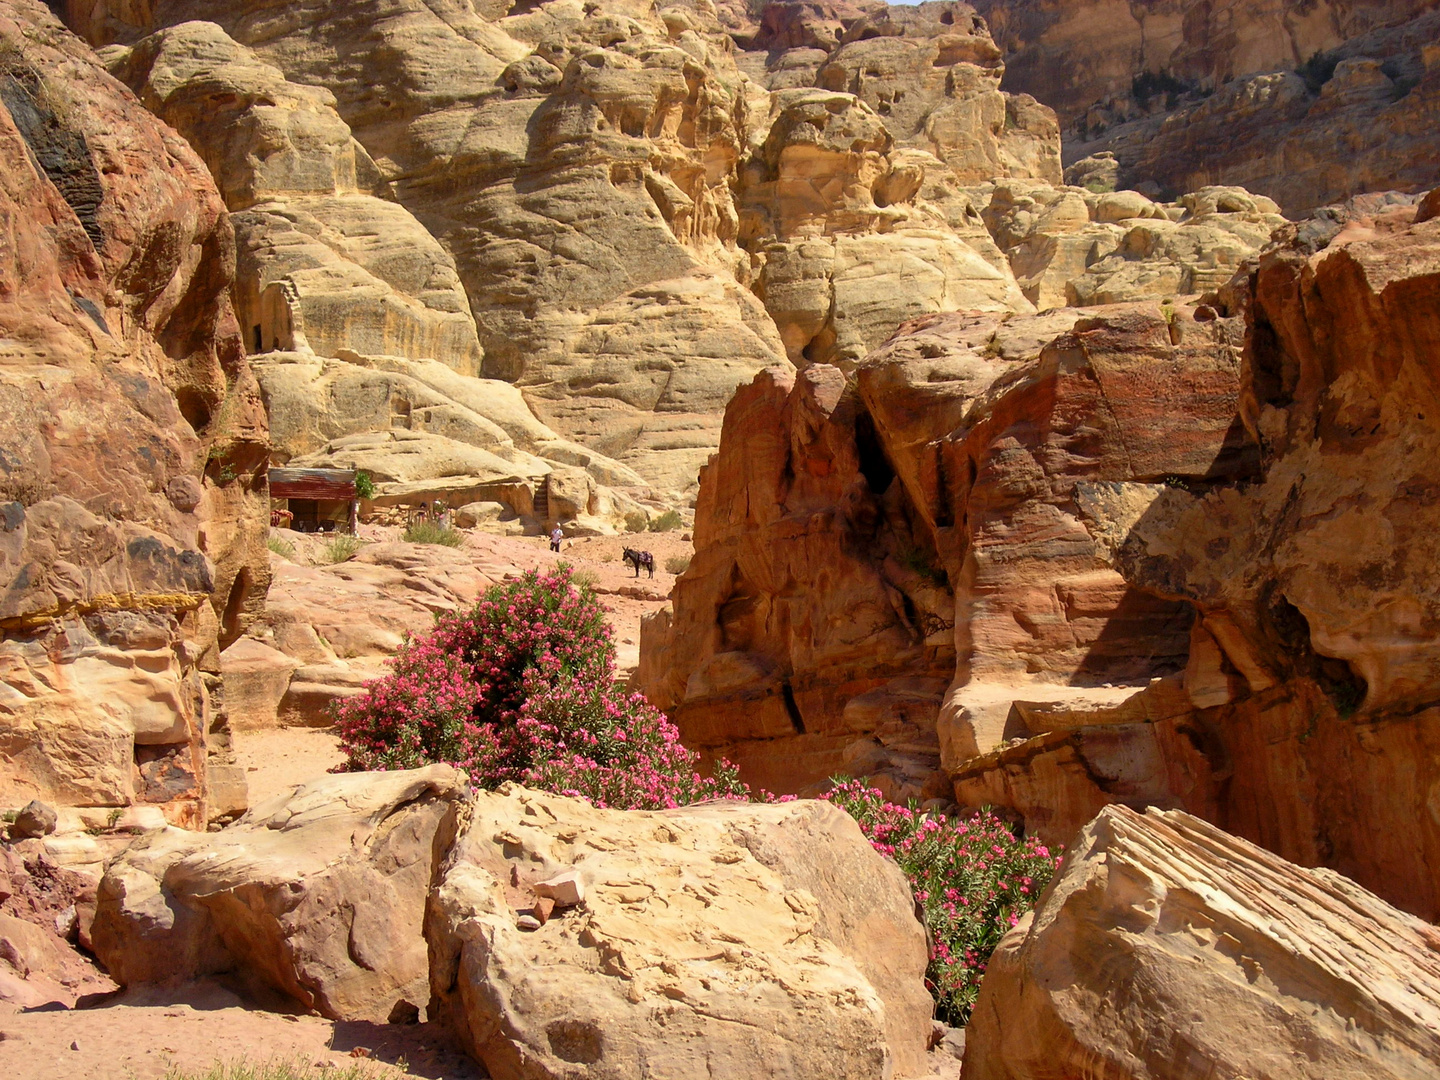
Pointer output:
x,y
1190,93
713,940
609,185
317,895
132,437
1082,248
1263,968
1179,548
853,561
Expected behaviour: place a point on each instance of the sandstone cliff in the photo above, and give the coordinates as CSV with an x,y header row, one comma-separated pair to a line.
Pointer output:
x,y
132,443
635,217
1263,968
1175,555
1305,102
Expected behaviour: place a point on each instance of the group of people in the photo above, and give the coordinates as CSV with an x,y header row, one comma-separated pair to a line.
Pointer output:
x,y
437,512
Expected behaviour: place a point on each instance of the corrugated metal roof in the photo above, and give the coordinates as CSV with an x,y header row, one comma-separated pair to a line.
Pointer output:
x,y
312,484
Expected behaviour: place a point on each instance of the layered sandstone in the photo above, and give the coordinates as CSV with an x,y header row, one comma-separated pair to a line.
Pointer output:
x,y
1172,556
133,442
1262,968
638,227
689,942
1307,103
317,896
353,313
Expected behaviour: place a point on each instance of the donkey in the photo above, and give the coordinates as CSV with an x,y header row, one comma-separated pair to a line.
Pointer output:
x,y
638,559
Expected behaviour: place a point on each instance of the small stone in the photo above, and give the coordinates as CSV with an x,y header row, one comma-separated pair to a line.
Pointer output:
x,y
361,1052
565,888
75,1045
528,922
542,909
35,819
954,1043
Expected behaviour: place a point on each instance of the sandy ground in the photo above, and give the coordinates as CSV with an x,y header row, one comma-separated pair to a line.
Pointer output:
x,y
190,1030
276,760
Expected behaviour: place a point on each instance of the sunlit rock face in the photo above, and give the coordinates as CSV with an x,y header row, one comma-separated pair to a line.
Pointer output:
x,y
1164,553
629,226
1307,103
133,500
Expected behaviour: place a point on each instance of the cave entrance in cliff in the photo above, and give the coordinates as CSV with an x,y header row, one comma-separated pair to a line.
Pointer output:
x,y
874,465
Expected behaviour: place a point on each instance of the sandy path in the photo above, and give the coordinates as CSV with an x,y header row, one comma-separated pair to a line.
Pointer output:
x,y
192,1029
276,760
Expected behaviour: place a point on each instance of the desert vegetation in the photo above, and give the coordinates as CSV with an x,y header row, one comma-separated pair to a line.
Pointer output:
x,y
522,688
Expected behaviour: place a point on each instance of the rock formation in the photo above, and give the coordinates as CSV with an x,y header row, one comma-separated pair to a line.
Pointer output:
x,y
317,896
1166,949
1307,103
1171,556
360,333
721,937
714,940
132,443
637,226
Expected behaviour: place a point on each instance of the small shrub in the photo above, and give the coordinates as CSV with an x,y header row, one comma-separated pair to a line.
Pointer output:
x,y
430,532
342,548
669,521
522,687
677,564
923,564
1151,84
585,579
971,875
637,521
364,485
281,547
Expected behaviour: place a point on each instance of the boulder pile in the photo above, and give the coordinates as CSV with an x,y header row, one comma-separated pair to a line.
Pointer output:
x,y
728,938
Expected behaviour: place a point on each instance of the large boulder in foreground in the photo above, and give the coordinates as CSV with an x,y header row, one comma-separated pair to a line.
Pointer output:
x,y
317,895
719,940
1169,950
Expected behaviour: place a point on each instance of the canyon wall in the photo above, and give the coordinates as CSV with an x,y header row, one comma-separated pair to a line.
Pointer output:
x,y
1305,102
629,220
1168,554
133,446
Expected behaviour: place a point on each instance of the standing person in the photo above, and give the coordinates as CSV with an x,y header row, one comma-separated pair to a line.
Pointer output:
x,y
555,537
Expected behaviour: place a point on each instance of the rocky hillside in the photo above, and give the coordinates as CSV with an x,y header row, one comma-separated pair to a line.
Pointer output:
x,y
1167,553
133,444
1305,102
620,211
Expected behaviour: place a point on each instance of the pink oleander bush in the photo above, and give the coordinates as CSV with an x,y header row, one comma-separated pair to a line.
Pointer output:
x,y
522,687
973,877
